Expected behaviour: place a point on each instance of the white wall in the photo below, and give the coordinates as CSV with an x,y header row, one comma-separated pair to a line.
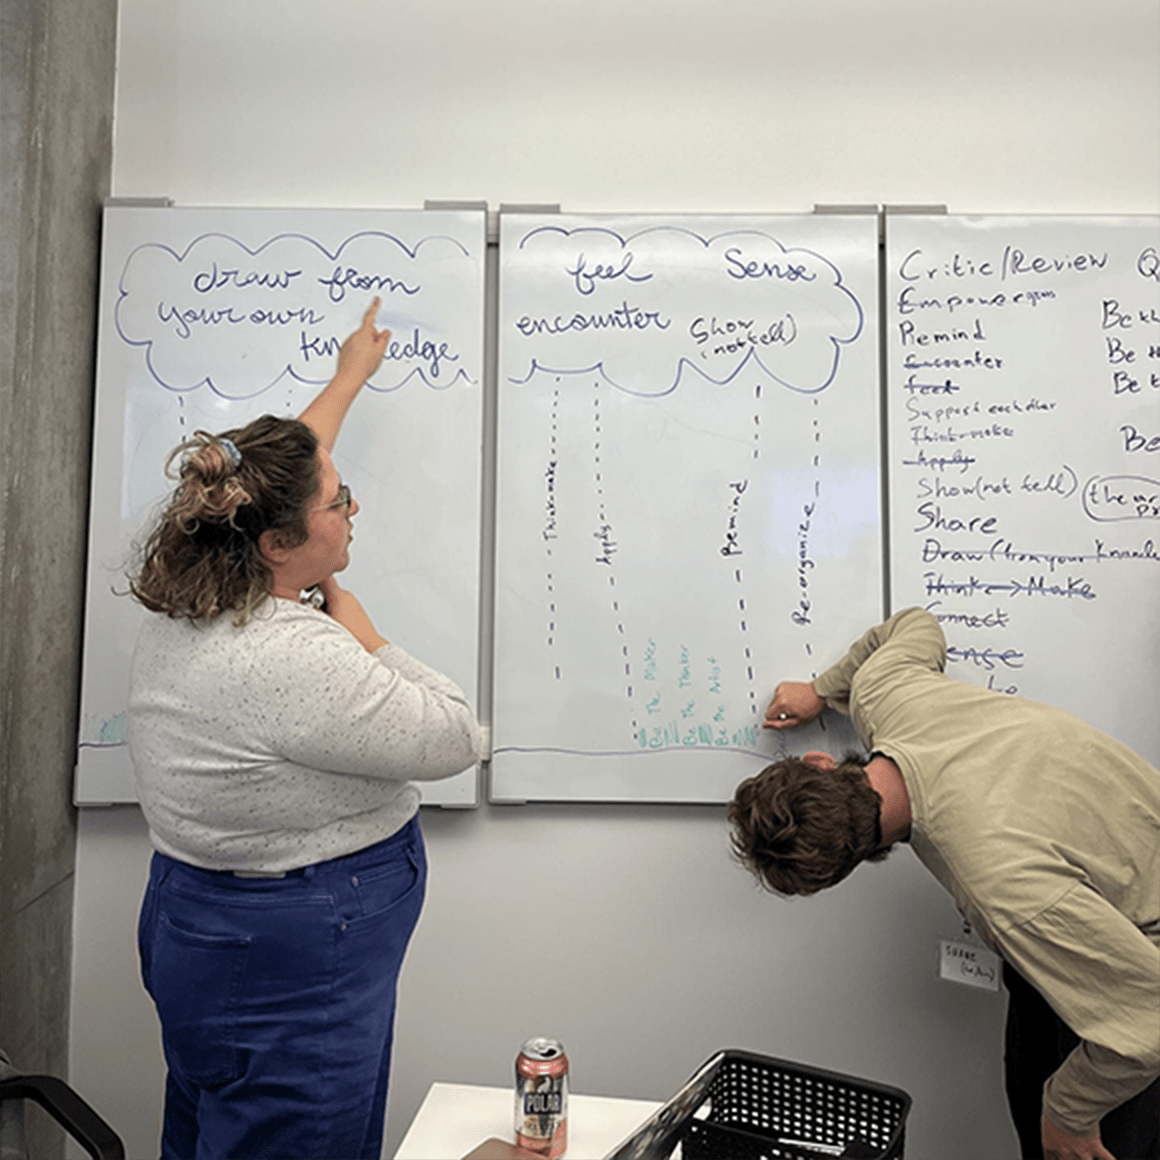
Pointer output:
x,y
989,106
650,949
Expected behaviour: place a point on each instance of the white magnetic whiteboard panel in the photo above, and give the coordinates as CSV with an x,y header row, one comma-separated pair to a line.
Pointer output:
x,y
688,494
210,317
1024,419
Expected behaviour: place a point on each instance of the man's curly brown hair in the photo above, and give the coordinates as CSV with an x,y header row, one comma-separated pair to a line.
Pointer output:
x,y
800,829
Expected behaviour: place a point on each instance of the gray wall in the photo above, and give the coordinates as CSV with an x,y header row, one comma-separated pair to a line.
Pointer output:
x,y
57,72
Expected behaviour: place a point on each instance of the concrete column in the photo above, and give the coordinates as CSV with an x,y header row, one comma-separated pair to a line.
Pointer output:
x,y
57,80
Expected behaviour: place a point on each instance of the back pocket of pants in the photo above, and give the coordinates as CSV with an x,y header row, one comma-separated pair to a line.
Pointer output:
x,y
196,981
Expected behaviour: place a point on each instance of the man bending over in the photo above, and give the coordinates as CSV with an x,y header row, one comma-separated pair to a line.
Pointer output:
x,y
1045,831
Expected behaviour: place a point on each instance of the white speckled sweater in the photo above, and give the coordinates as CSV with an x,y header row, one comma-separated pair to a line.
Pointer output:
x,y
284,742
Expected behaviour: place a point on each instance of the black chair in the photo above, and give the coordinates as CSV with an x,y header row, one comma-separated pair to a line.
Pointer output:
x,y
63,1104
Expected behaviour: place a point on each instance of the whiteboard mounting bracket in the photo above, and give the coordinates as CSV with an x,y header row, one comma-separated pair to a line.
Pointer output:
x,y
846,209
517,207
914,209
135,202
462,206
907,211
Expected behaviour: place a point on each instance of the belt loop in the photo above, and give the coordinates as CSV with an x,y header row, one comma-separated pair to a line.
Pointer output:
x,y
308,871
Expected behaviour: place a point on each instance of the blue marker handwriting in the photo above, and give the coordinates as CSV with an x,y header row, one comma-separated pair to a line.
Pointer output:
x,y
585,277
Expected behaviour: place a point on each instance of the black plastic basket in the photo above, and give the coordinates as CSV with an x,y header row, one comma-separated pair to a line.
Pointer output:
x,y
760,1108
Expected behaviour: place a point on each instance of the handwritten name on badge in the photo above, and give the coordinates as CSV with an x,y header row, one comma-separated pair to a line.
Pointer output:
x,y
961,962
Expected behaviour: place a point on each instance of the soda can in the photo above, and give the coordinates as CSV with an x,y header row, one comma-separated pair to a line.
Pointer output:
x,y
541,1104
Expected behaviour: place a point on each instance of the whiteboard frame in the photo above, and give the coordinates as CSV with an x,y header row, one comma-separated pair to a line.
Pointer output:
x,y
1085,640
104,774
596,774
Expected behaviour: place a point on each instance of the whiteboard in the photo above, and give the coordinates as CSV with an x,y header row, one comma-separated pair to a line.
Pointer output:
x,y
209,318
1024,419
688,494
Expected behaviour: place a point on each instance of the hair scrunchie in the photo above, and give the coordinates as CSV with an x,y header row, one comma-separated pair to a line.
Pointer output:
x,y
232,452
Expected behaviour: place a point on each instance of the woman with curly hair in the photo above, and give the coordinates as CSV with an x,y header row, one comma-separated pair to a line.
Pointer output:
x,y
275,736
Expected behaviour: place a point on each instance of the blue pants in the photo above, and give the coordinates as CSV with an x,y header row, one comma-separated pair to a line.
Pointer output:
x,y
277,1001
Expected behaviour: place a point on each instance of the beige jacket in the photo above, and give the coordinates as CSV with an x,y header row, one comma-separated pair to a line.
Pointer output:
x,y
1047,834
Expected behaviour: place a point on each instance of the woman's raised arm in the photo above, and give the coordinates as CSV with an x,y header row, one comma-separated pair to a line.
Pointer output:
x,y
358,359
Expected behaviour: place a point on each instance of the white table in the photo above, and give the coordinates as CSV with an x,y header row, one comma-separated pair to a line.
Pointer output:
x,y
454,1118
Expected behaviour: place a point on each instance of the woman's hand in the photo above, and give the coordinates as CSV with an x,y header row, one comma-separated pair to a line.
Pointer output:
x,y
794,703
344,607
359,357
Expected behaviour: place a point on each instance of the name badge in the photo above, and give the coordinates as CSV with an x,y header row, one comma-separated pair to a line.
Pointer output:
x,y
969,964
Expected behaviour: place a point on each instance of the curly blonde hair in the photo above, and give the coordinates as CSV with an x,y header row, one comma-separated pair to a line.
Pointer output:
x,y
202,557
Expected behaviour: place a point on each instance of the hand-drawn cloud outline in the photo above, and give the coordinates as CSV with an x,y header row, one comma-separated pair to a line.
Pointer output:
x,y
614,246
302,284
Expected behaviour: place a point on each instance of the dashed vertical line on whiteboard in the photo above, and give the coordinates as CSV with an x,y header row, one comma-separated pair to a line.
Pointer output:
x,y
738,576
605,538
551,515
757,422
809,513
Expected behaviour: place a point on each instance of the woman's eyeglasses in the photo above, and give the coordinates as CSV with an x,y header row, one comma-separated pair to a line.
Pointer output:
x,y
343,501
